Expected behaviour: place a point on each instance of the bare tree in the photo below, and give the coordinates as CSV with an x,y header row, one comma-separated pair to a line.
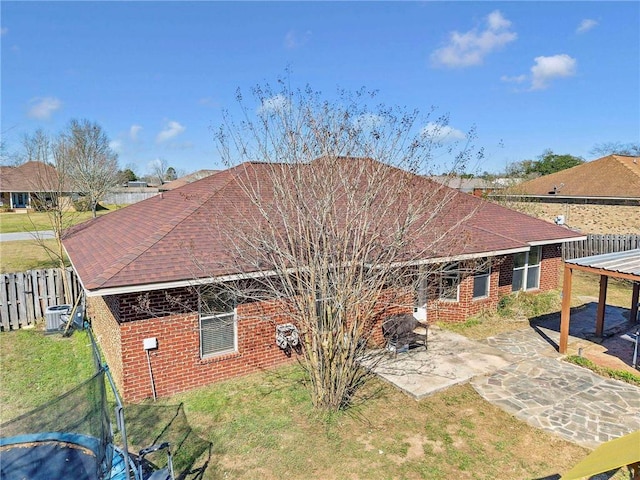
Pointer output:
x,y
339,220
51,190
91,164
631,149
158,169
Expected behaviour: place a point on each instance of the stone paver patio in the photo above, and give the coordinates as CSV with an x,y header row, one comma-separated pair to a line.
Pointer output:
x,y
522,373
564,399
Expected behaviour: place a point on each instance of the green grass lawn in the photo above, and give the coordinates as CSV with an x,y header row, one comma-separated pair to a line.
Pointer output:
x,y
12,222
36,368
263,426
20,256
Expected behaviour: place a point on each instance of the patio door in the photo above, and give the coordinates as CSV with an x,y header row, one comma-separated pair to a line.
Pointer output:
x,y
420,308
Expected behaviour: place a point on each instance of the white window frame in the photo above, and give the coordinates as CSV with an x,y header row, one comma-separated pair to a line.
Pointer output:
x,y
231,315
483,274
525,270
449,270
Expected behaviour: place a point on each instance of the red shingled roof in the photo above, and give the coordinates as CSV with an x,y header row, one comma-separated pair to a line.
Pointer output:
x,y
615,176
162,239
29,177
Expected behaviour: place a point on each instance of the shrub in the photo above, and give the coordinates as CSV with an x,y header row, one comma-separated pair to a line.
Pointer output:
x,y
621,375
82,205
528,305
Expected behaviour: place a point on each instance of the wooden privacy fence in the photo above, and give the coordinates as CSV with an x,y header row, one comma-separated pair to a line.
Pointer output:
x,y
598,244
25,296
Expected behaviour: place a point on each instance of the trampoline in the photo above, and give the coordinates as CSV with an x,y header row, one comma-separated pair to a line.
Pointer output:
x,y
36,456
71,437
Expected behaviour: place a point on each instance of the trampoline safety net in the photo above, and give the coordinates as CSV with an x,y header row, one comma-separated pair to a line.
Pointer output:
x,y
69,437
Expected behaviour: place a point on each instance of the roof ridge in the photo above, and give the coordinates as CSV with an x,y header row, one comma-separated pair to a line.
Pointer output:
x,y
627,166
160,233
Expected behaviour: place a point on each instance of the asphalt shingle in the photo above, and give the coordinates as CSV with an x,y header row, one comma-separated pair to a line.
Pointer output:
x,y
189,232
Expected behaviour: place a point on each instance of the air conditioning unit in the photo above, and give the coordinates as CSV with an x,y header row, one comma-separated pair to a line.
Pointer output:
x,y
53,317
559,220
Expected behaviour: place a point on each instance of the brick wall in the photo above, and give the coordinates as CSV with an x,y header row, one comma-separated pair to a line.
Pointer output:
x,y
176,363
499,285
550,267
450,311
122,323
103,313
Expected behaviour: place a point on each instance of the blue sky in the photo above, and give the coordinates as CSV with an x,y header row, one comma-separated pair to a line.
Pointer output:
x,y
156,75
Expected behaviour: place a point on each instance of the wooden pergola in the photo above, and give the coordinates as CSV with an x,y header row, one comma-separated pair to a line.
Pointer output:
x,y
616,265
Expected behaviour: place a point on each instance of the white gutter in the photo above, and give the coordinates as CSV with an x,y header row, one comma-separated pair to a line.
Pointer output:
x,y
559,240
244,276
562,197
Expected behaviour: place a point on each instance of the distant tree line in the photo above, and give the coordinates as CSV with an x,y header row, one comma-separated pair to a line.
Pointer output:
x,y
550,162
546,164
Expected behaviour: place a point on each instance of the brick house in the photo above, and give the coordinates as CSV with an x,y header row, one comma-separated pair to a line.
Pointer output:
x,y
141,267
28,186
601,196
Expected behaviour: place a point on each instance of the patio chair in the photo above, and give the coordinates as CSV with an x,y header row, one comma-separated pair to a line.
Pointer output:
x,y
402,332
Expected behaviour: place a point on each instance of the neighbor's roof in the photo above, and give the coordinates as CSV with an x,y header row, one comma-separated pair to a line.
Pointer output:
x,y
188,233
466,184
614,176
182,181
29,177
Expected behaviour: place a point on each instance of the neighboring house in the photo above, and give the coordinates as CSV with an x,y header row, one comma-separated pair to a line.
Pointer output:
x,y
600,196
182,181
28,185
478,187
137,191
140,267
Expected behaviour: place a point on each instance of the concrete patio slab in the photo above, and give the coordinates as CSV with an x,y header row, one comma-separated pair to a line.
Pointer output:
x,y
450,359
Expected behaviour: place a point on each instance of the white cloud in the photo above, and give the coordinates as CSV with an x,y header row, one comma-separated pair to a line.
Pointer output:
x,y
277,103
442,133
41,108
470,48
116,145
134,131
4,31
173,129
516,79
208,102
548,68
586,25
294,40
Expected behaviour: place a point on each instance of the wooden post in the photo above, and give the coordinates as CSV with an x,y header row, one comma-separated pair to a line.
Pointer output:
x,y
602,303
566,309
635,297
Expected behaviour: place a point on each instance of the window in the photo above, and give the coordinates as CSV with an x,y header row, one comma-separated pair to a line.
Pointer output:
x,y
481,280
450,282
218,325
526,269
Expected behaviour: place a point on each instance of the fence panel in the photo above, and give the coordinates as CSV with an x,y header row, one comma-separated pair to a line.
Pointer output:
x,y
596,244
25,296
